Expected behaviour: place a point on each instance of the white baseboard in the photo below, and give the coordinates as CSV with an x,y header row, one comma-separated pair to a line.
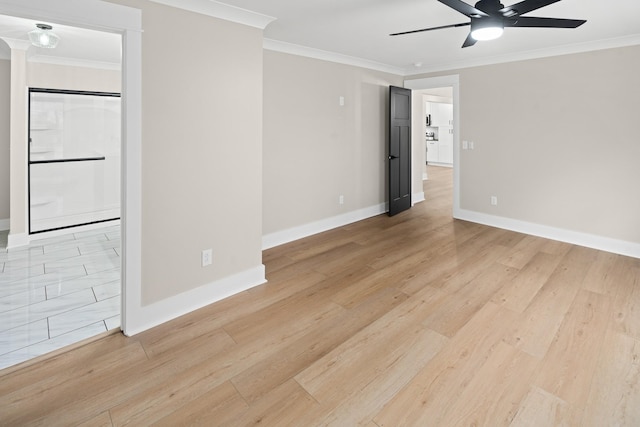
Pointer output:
x,y
17,240
417,198
285,236
574,237
4,224
442,165
146,317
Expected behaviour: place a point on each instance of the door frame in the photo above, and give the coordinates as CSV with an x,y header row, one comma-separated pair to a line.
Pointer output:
x,y
126,21
432,83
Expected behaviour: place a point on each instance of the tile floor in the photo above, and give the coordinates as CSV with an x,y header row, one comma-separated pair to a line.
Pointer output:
x,y
58,291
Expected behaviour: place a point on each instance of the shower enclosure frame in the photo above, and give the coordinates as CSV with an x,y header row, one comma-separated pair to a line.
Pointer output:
x,y
31,162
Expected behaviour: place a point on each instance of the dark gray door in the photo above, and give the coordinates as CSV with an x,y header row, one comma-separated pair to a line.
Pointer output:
x,y
399,149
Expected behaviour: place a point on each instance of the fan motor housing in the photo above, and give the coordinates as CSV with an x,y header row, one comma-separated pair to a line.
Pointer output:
x,y
489,6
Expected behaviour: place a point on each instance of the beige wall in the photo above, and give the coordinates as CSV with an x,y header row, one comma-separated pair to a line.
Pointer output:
x,y
201,149
51,76
5,97
316,150
556,140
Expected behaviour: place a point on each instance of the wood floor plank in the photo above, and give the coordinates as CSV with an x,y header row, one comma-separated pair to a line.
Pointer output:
x,y
357,404
627,301
270,372
493,394
221,404
615,391
439,384
453,274
458,308
283,406
422,245
158,400
325,378
536,329
306,309
102,420
444,264
115,388
33,401
518,293
55,369
542,409
601,273
569,365
522,252
363,286
184,333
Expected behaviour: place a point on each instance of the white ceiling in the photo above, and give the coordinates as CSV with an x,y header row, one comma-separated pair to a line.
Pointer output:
x,y
77,46
361,28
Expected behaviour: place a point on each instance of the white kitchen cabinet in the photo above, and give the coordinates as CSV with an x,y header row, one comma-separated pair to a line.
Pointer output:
x,y
440,151
445,145
441,114
433,151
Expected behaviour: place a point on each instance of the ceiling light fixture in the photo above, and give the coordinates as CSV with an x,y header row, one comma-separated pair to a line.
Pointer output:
x,y
44,37
488,28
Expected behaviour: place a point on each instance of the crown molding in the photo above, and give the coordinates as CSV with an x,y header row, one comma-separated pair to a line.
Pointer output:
x,y
294,49
324,55
222,11
532,54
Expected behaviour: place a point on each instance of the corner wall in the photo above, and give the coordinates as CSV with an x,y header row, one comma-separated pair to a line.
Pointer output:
x,y
556,141
316,150
201,157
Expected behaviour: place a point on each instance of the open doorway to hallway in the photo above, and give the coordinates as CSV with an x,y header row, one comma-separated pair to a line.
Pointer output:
x,y
440,95
438,118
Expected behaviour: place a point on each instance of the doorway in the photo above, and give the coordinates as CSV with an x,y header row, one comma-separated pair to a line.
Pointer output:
x,y
424,86
64,286
125,21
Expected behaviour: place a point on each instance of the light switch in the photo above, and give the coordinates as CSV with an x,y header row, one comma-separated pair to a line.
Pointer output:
x,y
342,101
465,145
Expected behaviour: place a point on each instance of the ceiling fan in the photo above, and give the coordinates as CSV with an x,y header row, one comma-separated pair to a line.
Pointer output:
x,y
490,17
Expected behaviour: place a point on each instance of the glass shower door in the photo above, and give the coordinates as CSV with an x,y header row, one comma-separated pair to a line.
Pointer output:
x,y
74,158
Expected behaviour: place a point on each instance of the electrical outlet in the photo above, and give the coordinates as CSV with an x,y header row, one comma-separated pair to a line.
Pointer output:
x,y
341,199
494,201
207,257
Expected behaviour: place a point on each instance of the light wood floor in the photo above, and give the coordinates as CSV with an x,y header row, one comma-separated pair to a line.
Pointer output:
x,y
414,320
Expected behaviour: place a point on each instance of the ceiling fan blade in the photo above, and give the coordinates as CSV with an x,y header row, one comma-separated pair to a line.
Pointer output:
x,y
533,22
464,8
525,6
464,24
470,41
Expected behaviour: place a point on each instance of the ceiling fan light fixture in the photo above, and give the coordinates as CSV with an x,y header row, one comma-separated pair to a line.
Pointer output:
x,y
486,29
488,33
43,37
